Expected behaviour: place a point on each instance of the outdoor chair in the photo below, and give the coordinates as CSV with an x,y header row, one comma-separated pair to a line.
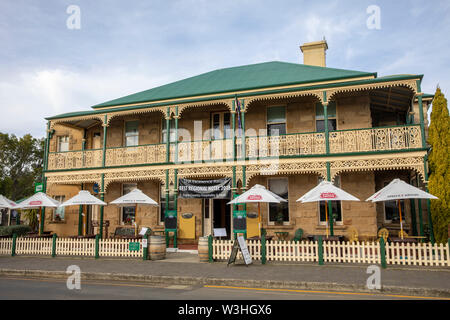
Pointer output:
x,y
353,234
298,235
383,233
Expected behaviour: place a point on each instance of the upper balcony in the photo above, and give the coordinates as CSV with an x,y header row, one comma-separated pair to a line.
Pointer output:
x,y
357,141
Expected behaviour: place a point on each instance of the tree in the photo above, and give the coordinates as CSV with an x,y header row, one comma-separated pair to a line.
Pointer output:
x,y
439,164
21,164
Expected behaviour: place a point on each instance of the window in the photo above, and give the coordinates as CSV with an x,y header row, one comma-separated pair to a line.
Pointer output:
x,y
128,213
320,117
162,203
173,137
276,121
221,125
63,143
391,214
279,211
336,206
58,213
131,133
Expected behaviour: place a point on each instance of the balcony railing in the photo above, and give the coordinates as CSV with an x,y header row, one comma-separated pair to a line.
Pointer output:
x,y
290,145
75,159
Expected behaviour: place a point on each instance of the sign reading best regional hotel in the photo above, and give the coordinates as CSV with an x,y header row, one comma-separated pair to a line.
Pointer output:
x,y
205,189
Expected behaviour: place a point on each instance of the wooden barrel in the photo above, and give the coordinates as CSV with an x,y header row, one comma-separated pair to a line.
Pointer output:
x,y
157,248
203,249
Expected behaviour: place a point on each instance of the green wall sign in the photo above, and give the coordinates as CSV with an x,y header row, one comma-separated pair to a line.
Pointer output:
x,y
134,246
38,187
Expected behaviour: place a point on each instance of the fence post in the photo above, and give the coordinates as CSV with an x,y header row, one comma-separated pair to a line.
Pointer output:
x,y
145,254
383,253
54,246
13,251
97,239
263,249
320,251
210,248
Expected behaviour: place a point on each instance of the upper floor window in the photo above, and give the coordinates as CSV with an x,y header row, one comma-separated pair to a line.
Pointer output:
x,y
221,125
173,136
336,207
131,133
276,121
63,143
279,211
320,117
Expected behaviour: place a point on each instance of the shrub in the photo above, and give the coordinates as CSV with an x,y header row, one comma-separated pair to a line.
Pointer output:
x,y
10,230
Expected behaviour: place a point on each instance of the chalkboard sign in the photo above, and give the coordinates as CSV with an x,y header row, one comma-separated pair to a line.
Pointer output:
x,y
240,244
240,223
171,223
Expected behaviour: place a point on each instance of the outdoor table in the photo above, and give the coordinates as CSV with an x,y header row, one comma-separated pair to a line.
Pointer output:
x,y
268,238
88,236
159,232
404,240
325,238
282,235
36,235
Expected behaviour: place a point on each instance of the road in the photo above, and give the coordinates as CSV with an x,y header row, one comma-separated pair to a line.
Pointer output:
x,y
52,289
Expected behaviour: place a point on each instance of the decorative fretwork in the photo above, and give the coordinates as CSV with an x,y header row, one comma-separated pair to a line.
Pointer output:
x,y
184,106
64,121
317,94
74,179
270,169
376,139
286,145
135,176
388,163
136,155
206,171
75,160
410,83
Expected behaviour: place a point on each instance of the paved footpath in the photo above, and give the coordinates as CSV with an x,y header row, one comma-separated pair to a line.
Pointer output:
x,y
184,268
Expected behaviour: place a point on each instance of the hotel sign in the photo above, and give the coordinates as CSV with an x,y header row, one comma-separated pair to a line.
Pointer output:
x,y
205,189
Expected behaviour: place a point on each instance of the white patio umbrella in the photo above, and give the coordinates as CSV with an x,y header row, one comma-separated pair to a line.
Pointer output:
x,y
258,194
326,191
83,197
38,200
135,197
5,203
399,190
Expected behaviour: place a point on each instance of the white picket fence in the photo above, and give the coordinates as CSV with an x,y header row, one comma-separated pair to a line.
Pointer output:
x,y
71,247
418,254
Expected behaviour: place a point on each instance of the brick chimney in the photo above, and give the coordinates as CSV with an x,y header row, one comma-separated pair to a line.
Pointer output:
x,y
314,53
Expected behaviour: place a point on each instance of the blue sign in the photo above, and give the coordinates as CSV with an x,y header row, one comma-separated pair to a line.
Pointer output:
x,y
96,188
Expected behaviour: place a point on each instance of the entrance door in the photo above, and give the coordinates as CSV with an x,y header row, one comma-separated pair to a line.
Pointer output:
x,y
222,215
207,221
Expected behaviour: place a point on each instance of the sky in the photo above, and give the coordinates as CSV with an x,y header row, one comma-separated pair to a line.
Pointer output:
x,y
47,67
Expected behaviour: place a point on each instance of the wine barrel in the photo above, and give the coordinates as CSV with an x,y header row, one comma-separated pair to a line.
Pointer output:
x,y
157,248
203,252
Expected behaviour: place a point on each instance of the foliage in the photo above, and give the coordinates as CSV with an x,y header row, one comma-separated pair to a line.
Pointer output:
x,y
21,163
31,217
10,230
439,164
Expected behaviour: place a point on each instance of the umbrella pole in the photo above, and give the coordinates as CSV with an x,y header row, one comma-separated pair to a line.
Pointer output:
x,y
401,222
326,215
259,219
135,223
40,220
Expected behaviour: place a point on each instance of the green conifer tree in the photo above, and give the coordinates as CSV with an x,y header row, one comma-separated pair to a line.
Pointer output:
x,y
439,164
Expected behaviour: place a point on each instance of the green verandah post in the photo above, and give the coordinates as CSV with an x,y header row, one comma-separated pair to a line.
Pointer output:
x,y
210,248
263,249
320,251
145,249
54,246
97,246
13,249
383,253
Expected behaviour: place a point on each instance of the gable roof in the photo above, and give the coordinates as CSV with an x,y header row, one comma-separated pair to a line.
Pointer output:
x,y
248,77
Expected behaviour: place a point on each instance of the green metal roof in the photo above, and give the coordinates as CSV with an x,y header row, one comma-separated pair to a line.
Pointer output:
x,y
254,76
